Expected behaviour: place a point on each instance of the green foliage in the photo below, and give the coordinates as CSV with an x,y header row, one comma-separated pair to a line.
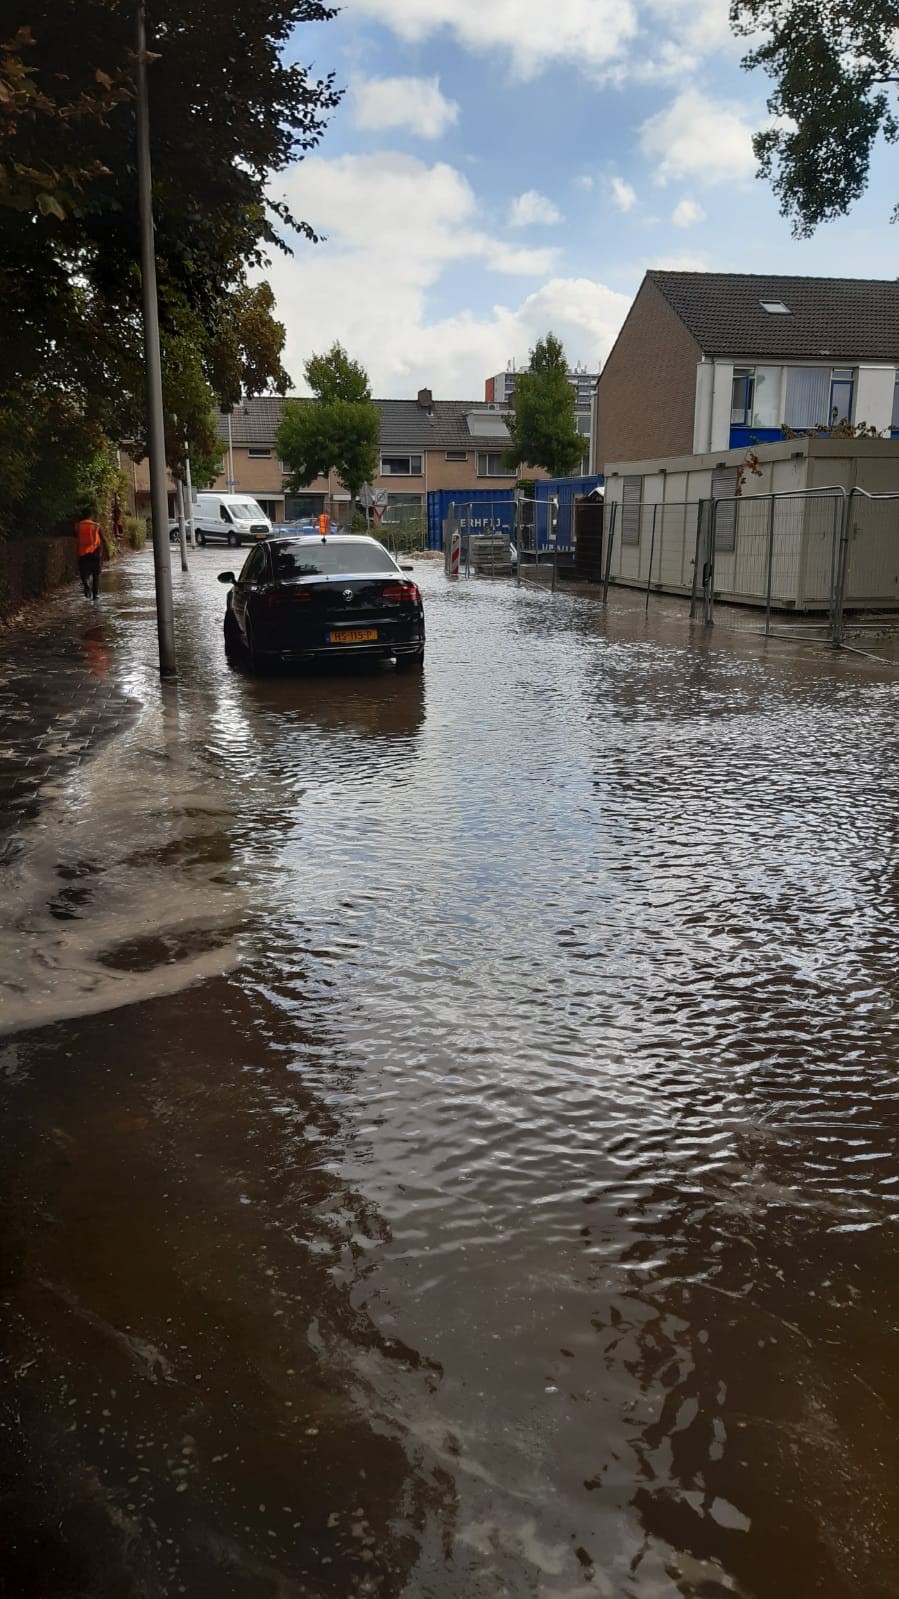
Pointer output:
x,y
833,63
335,376
338,430
228,108
542,423
135,530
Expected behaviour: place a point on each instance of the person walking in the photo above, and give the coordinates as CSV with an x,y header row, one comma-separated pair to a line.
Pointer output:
x,y
89,536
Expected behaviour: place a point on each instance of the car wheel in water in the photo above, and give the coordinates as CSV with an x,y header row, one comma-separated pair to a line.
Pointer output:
x,y
233,541
233,651
200,538
251,657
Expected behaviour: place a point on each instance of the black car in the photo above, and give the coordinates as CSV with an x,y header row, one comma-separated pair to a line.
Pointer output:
x,y
305,597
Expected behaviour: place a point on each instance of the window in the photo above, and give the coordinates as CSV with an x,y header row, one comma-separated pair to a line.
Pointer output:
x,y
775,307
766,403
741,398
312,558
254,566
225,514
808,394
401,466
842,384
631,496
456,455
755,397
894,422
258,452
724,488
490,464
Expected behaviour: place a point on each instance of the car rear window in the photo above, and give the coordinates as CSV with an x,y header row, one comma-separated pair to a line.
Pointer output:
x,y
327,559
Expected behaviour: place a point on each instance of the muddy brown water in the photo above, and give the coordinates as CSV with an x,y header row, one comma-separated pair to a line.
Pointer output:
x,y
450,1121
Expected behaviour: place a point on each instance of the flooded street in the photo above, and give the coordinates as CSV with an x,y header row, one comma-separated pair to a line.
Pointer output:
x,y
450,1121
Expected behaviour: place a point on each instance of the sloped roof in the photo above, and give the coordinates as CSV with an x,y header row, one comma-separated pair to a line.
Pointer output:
x,y
405,425
844,319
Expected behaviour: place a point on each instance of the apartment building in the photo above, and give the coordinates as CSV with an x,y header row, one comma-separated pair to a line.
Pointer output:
x,y
714,361
425,444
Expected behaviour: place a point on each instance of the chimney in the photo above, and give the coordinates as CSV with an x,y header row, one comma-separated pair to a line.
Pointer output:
x,y
425,399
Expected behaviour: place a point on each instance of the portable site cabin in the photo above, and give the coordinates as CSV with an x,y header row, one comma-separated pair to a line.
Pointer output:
x,y
777,511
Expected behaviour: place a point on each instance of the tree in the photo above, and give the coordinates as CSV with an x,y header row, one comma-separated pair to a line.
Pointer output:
x,y
227,111
542,426
834,63
339,429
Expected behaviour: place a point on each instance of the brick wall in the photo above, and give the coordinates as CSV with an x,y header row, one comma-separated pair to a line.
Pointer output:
x,y
32,567
646,392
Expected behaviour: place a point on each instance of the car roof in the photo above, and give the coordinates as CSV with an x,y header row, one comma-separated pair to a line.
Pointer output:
x,y
312,536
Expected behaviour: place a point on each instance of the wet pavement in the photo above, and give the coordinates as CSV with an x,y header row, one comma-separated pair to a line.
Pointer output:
x,y
450,1122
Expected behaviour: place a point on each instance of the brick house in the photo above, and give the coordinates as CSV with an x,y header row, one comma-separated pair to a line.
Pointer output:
x,y
425,444
710,361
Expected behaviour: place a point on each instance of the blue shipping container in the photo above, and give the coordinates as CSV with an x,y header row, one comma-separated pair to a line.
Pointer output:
x,y
478,510
565,490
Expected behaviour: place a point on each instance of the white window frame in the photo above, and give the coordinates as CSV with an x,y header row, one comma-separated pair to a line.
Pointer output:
x,y
402,455
258,452
457,456
496,455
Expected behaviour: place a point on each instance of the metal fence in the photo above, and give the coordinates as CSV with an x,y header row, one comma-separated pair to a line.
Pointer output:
x,y
819,553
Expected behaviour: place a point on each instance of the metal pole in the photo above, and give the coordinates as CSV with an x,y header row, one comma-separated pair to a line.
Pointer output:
x,y
231,458
555,567
771,509
190,495
842,565
159,505
709,574
613,511
697,563
652,550
182,534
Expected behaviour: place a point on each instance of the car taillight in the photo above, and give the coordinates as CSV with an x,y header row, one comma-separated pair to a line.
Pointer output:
x,y
402,593
277,597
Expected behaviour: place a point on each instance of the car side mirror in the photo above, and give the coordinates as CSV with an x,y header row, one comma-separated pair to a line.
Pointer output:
x,y
227,577
407,568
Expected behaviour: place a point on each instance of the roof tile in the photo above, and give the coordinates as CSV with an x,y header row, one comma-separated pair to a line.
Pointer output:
x,y
846,319
405,425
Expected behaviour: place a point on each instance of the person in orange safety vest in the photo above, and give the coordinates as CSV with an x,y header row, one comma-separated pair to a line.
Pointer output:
x,y
89,536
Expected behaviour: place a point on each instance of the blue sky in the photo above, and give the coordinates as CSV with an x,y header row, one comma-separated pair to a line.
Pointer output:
x,y
501,167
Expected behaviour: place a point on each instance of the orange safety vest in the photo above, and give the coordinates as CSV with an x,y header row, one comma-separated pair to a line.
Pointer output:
x,y
324,525
88,535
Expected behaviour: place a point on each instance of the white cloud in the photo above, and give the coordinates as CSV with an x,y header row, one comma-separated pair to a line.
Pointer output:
x,y
371,283
523,263
611,41
707,140
413,103
696,262
686,212
533,207
589,33
584,181
623,196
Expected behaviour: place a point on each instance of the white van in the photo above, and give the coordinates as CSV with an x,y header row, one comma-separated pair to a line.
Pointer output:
x,y
229,519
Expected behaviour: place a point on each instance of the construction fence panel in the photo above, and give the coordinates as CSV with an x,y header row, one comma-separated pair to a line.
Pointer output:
x,y
871,566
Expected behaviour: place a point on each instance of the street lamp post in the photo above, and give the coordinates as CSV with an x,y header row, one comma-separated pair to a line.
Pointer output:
x,y
159,509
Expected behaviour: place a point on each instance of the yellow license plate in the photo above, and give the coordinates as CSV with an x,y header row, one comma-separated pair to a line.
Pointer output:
x,y
354,635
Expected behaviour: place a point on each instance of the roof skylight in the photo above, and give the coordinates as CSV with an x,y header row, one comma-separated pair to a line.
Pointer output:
x,y
776,307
